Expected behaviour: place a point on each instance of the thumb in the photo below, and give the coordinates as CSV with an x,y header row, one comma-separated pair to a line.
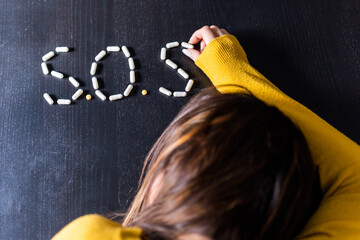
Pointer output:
x,y
191,53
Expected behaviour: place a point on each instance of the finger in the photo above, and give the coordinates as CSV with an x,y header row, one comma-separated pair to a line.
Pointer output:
x,y
202,46
217,30
224,31
205,33
191,53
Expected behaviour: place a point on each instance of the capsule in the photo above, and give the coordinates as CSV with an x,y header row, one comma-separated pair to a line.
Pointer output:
x,y
171,63
131,64
62,49
74,82
44,68
113,49
132,76
64,101
163,53
48,99
179,94
187,53
116,97
93,68
172,44
95,83
165,91
48,56
125,50
100,55
187,45
100,95
189,85
77,94
57,74
128,90
183,73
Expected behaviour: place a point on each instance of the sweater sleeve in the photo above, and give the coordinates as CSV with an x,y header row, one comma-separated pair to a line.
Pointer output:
x,y
96,227
337,157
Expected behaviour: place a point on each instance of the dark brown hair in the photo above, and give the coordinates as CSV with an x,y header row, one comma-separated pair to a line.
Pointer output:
x,y
232,168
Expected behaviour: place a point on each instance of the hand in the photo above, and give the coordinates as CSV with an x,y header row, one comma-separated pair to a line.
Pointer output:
x,y
204,35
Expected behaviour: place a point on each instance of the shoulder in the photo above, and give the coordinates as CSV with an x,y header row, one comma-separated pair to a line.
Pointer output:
x,y
96,227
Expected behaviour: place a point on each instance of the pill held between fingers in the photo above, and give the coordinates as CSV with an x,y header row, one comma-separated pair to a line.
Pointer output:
x,y
165,91
64,101
48,56
179,94
44,68
128,90
77,94
187,45
93,68
172,44
113,49
100,55
48,99
125,50
189,85
95,83
74,82
62,49
131,64
183,73
187,53
100,95
171,63
163,53
57,74
116,97
132,76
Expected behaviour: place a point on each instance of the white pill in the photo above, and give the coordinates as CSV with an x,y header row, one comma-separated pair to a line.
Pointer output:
x,y
187,53
77,94
113,49
44,68
57,74
171,63
132,76
64,101
116,97
183,73
172,44
48,56
165,91
189,85
74,82
48,99
187,45
131,64
62,49
128,90
163,53
100,95
93,68
95,83
125,50
180,94
100,55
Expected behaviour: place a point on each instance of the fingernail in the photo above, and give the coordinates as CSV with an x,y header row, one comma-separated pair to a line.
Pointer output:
x,y
187,53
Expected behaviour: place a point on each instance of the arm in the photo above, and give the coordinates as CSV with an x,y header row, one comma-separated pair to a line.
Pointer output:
x,y
224,61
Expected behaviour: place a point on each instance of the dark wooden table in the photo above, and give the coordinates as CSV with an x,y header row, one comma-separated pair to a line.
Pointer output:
x,y
61,162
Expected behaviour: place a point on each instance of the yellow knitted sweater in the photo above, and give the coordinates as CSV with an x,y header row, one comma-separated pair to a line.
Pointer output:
x,y
224,61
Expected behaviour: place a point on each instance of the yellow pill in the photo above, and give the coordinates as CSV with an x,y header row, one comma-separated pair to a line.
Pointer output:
x,y
144,92
88,97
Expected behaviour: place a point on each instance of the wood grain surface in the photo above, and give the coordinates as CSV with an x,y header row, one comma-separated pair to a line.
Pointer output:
x,y
61,162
